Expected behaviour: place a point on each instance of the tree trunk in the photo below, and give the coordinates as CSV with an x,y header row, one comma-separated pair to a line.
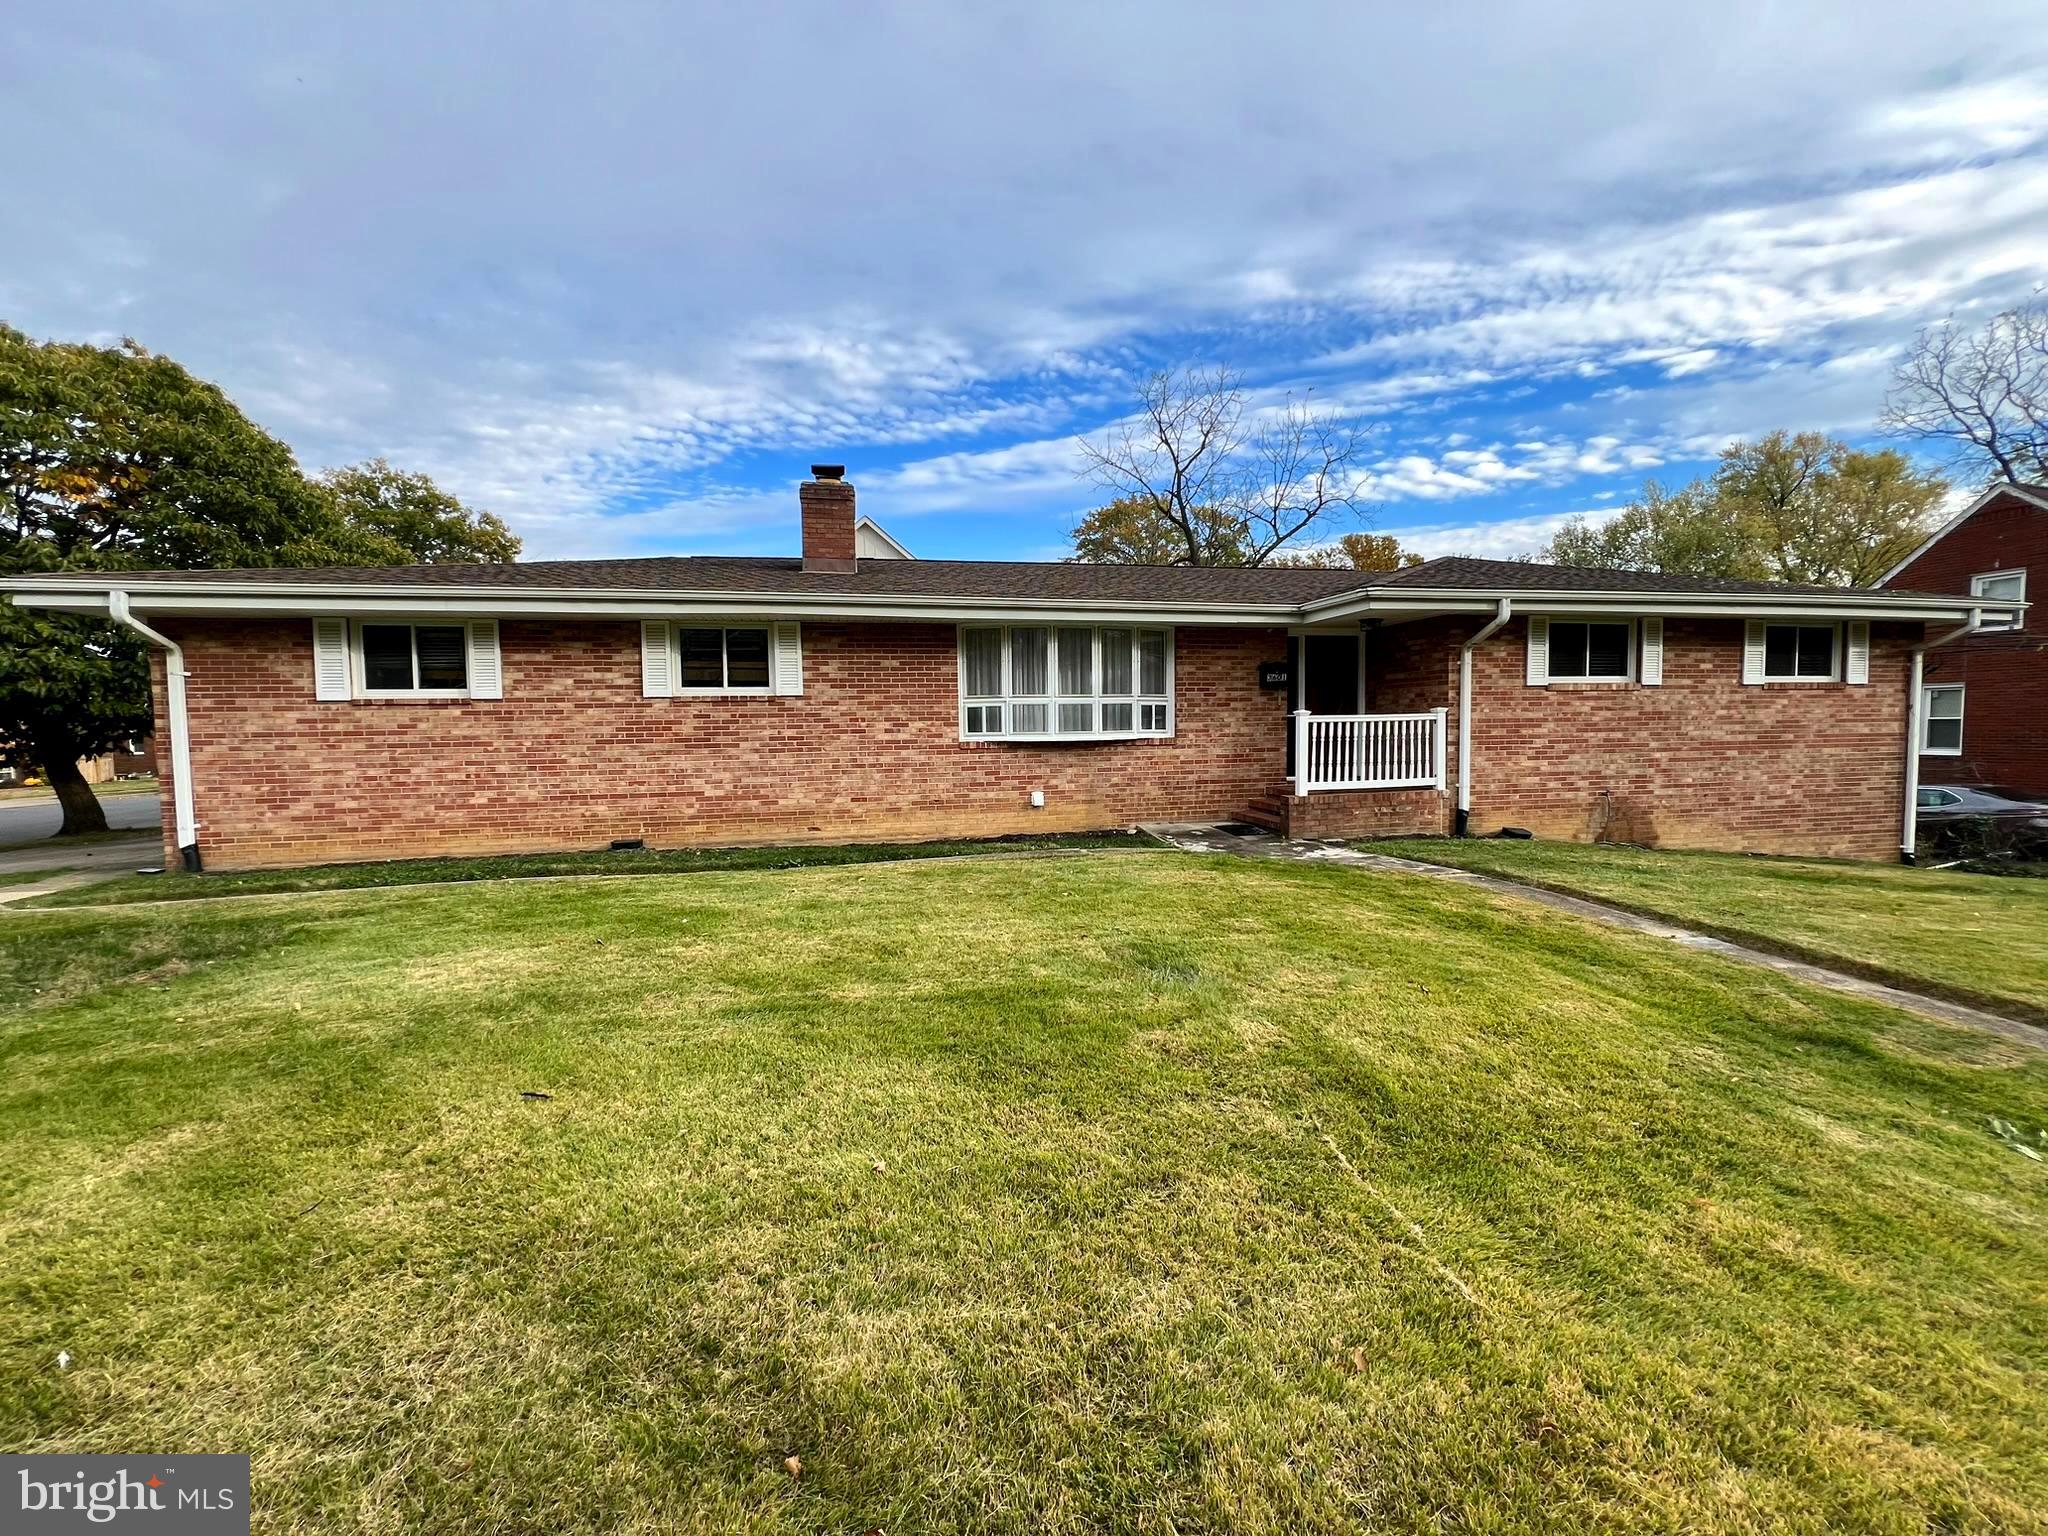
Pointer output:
x,y
82,810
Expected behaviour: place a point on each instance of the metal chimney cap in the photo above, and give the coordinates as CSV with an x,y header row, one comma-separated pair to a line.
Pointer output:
x,y
828,471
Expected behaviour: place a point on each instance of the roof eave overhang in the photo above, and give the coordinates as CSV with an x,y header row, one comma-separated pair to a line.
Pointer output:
x,y
174,599
273,600
1850,603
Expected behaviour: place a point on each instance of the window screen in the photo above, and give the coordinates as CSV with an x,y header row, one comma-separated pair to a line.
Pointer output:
x,y
1589,651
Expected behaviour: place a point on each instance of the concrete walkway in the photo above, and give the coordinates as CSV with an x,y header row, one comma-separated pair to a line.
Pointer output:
x,y
1247,841
62,864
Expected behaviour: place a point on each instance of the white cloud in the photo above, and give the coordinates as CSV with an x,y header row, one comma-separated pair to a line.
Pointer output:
x,y
610,278
1504,539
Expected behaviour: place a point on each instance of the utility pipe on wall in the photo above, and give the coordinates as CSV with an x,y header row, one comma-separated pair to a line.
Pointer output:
x,y
1916,727
1500,617
181,739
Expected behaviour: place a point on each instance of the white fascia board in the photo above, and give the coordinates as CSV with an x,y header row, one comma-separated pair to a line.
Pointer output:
x,y
1850,603
259,600
1990,494
169,601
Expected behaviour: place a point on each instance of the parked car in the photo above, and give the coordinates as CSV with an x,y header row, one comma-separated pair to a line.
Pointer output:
x,y
1984,817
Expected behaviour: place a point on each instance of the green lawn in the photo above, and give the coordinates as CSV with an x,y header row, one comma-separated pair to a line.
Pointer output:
x,y
1979,938
1126,1193
175,885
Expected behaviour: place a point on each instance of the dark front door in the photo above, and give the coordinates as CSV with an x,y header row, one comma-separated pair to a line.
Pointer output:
x,y
1326,667
1330,686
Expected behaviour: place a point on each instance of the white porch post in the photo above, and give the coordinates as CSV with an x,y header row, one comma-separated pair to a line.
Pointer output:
x,y
1301,773
1443,743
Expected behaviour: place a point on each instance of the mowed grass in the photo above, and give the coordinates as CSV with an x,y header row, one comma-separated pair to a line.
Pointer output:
x,y
176,885
1128,1193
1981,938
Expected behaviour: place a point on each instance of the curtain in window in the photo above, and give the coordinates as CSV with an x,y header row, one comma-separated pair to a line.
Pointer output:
x,y
984,663
1077,661
1028,661
1116,661
1152,661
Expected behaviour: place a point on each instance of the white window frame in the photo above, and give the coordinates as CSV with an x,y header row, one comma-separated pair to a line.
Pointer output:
x,y
359,673
1977,590
1927,719
679,690
1052,698
1835,649
1550,674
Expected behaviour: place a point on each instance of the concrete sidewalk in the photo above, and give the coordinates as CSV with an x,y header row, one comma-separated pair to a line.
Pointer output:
x,y
1247,841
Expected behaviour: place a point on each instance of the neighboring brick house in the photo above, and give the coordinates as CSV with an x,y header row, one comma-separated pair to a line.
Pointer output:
x,y
1986,698
378,713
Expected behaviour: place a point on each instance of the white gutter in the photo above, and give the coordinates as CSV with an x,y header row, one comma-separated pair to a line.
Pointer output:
x,y
1916,725
1500,617
181,737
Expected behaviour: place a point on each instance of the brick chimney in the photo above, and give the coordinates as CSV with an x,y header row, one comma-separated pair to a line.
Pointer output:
x,y
827,502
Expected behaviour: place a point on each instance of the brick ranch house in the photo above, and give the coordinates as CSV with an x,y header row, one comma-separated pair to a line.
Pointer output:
x,y
1985,707
376,713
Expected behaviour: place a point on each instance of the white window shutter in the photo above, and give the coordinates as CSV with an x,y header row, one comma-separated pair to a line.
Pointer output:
x,y
330,659
1539,653
486,675
1653,652
789,659
1858,668
1753,651
657,662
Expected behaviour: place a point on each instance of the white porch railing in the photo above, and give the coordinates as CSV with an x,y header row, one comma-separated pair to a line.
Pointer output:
x,y
1368,751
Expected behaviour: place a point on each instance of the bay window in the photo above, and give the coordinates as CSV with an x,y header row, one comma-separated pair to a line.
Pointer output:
x,y
1064,682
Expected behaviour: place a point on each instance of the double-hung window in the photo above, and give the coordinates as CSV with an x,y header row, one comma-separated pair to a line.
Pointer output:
x,y
1941,733
2007,587
1801,653
1069,682
413,658
721,660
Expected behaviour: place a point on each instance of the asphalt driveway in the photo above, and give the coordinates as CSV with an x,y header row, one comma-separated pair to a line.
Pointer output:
x,y
27,821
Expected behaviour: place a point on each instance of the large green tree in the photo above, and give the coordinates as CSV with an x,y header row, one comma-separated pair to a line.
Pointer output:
x,y
1787,507
1685,531
113,458
416,516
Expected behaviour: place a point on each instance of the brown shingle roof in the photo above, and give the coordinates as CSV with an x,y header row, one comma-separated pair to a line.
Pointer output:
x,y
1054,580
968,580
1465,572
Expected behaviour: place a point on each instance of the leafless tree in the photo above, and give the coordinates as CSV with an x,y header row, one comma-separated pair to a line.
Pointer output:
x,y
1199,472
1980,395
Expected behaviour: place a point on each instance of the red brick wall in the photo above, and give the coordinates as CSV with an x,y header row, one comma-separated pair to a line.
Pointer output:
x,y
1370,813
1701,761
2004,675
573,756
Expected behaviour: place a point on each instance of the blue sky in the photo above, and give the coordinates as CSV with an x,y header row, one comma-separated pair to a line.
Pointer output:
x,y
620,272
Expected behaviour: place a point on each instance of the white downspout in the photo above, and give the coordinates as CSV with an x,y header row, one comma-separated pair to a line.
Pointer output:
x,y
181,738
1916,726
1500,617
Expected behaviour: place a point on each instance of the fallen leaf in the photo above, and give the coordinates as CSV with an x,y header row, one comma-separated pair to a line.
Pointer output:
x,y
794,1466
